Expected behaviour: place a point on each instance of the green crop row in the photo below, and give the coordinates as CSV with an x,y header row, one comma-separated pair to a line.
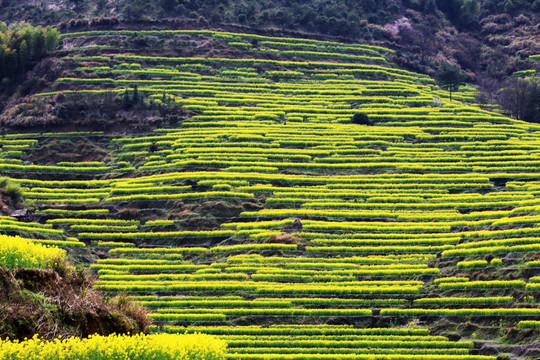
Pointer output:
x,y
529,324
28,227
60,243
77,221
311,54
489,284
161,222
492,250
175,250
377,249
326,343
463,300
258,287
263,312
188,317
306,352
341,275
114,244
172,277
462,312
297,330
472,264
158,234
495,243
385,242
392,261
149,267
23,169
225,302
70,212
120,190
259,247
385,356
104,228
180,196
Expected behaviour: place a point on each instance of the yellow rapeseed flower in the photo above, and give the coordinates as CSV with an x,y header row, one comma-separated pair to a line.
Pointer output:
x,y
121,347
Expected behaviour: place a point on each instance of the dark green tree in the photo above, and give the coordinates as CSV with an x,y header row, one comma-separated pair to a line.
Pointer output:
x,y
3,49
11,62
126,101
168,5
20,45
469,12
51,39
38,43
430,6
450,77
361,118
136,97
23,55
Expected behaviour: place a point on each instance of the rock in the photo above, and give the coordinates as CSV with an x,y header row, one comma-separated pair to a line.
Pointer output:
x,y
509,269
530,350
296,226
87,259
425,278
512,256
22,214
489,350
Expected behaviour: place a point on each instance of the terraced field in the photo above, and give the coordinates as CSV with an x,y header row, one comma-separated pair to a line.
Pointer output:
x,y
268,218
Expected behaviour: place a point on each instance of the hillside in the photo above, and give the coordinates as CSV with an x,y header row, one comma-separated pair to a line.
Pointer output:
x,y
490,40
299,198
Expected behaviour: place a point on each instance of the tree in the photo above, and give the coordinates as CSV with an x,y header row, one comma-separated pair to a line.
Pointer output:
x,y
488,90
450,77
126,101
430,7
469,12
361,118
11,62
136,9
22,43
168,5
38,43
136,98
51,39
2,54
521,98
23,55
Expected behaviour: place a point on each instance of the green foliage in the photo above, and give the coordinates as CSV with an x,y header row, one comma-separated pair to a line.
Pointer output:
x,y
22,43
461,12
361,118
450,77
14,191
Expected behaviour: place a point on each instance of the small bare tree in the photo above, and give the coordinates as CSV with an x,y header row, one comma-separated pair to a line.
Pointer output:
x,y
521,98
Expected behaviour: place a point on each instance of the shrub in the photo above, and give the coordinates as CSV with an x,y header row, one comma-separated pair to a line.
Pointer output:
x,y
14,191
361,118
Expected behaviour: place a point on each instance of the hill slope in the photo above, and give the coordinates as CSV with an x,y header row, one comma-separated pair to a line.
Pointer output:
x,y
490,39
230,188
